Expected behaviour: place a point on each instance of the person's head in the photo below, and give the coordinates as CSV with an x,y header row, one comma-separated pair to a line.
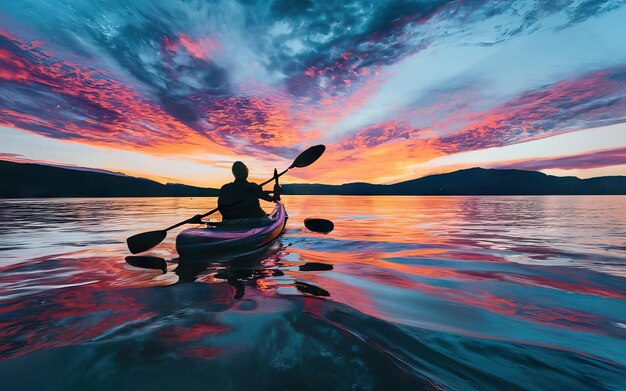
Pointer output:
x,y
240,171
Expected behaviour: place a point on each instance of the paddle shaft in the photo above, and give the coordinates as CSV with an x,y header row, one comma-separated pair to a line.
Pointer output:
x,y
185,222
217,209
274,177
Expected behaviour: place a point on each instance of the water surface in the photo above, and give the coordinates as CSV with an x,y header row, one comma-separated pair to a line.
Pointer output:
x,y
425,293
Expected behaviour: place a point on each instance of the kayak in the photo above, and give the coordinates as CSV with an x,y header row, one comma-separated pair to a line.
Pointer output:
x,y
237,237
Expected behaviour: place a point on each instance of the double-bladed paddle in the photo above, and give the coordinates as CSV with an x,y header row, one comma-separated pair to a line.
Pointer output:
x,y
145,241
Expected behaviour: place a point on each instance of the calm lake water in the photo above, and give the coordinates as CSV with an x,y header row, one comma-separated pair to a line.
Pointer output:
x,y
426,293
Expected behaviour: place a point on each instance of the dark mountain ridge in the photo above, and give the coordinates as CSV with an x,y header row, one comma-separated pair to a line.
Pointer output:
x,y
28,180
476,181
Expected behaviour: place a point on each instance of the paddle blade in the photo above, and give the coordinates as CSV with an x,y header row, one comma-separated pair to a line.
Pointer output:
x,y
311,289
309,156
319,225
315,266
147,262
145,241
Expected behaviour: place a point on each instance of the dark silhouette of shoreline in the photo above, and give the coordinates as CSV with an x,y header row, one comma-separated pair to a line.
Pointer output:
x,y
477,181
28,180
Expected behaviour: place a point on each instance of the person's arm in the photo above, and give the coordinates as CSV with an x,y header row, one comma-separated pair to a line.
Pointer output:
x,y
220,199
265,195
278,190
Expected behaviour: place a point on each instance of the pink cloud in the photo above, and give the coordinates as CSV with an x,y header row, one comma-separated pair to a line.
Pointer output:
x,y
595,159
595,99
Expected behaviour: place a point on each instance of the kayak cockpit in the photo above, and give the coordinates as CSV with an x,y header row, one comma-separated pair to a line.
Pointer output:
x,y
232,236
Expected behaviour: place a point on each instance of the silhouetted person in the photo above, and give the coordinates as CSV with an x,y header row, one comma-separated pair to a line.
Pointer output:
x,y
240,198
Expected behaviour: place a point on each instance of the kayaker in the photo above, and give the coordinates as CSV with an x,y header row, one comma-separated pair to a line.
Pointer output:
x,y
240,198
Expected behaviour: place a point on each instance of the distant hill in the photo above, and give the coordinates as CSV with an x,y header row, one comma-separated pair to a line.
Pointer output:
x,y
26,180
476,181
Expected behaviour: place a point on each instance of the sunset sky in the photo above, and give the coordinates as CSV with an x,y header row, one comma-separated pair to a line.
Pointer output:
x,y
176,91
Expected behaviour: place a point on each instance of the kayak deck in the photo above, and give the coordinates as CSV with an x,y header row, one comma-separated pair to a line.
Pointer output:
x,y
233,236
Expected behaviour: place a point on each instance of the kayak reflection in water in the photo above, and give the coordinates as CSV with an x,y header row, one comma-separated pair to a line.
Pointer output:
x,y
240,198
240,272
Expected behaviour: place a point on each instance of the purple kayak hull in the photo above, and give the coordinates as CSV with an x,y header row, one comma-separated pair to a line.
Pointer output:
x,y
236,237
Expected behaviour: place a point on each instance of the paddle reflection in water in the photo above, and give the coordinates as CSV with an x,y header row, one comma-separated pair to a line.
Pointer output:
x,y
235,270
